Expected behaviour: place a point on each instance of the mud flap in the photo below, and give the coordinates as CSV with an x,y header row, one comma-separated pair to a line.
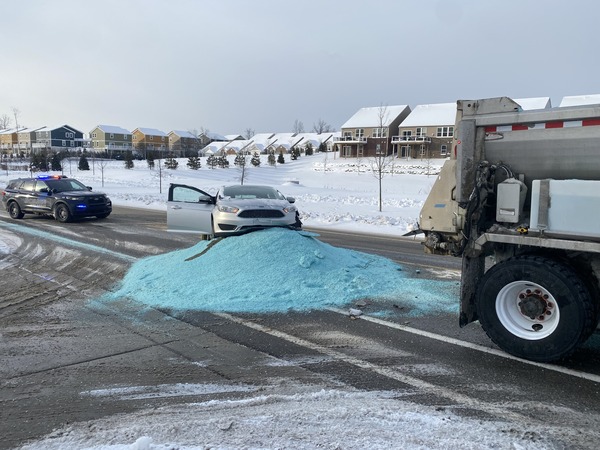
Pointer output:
x,y
472,273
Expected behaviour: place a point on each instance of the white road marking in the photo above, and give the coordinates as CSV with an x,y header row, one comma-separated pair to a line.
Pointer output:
x,y
460,399
480,348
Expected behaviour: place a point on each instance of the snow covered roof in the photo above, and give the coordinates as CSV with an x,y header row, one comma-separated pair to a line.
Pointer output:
x,y
29,130
428,115
183,134
533,103
215,136
113,129
316,138
579,100
150,131
214,147
370,116
234,137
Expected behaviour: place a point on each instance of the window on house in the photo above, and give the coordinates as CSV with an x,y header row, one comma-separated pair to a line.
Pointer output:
x,y
93,135
379,132
421,132
406,133
347,150
444,150
445,132
347,135
112,136
72,143
359,133
64,143
151,138
422,150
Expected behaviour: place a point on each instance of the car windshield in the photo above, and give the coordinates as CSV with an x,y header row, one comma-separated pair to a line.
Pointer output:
x,y
65,185
251,192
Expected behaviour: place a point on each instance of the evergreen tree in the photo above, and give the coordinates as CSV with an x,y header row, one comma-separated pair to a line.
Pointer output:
x,y
83,163
271,159
280,158
255,161
129,160
194,162
35,162
150,160
309,149
294,153
240,160
223,162
55,162
171,162
211,161
322,147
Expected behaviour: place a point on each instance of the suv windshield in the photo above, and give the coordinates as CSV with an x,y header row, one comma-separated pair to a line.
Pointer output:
x,y
65,185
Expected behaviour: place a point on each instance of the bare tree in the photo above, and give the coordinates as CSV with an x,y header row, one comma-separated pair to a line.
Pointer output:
x,y
5,122
249,133
298,126
381,160
322,127
16,114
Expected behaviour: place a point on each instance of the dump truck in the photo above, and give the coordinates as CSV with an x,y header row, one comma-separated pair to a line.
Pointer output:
x,y
519,201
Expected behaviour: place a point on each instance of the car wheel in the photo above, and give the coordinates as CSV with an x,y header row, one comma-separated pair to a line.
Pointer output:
x,y
14,210
62,213
535,308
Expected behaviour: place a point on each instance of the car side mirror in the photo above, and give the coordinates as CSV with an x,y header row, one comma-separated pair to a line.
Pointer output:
x,y
291,199
45,190
89,188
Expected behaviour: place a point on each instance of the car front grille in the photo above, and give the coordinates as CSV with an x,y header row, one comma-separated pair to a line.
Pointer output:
x,y
261,214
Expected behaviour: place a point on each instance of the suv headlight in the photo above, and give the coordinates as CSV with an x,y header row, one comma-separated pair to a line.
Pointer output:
x,y
228,209
74,198
289,209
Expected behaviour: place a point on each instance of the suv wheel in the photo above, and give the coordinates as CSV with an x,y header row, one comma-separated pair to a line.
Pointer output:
x,y
62,213
14,210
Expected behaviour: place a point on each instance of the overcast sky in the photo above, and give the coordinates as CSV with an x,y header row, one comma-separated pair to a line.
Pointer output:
x,y
230,65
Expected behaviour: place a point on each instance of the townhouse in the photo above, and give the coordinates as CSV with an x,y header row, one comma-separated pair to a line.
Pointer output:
x,y
368,132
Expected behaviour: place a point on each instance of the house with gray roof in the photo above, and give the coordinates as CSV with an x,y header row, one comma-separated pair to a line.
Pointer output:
x,y
368,132
146,140
110,138
184,143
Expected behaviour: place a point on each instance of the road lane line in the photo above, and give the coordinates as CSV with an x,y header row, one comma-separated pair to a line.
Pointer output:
x,y
459,399
480,348
66,241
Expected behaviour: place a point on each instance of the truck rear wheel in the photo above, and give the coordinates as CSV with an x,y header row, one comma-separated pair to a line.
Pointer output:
x,y
535,308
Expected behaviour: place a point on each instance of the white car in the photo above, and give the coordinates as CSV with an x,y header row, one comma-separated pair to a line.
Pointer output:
x,y
234,210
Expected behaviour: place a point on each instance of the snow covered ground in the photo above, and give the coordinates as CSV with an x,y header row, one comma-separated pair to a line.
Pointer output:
x,y
332,193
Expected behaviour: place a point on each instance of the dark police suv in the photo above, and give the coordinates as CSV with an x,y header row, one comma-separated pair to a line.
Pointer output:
x,y
64,198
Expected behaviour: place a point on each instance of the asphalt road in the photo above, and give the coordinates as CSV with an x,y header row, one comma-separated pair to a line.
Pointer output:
x,y
61,348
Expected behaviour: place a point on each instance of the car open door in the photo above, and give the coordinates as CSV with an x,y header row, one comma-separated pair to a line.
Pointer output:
x,y
189,210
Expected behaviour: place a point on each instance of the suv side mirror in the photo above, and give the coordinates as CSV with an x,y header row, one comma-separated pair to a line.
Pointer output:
x,y
89,188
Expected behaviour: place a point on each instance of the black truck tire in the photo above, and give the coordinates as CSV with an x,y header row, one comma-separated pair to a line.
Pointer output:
x,y
535,308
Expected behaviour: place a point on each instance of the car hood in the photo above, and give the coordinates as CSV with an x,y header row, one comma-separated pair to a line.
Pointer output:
x,y
254,203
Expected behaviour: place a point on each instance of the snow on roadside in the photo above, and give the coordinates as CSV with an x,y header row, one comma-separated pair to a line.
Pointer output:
x,y
331,193
321,419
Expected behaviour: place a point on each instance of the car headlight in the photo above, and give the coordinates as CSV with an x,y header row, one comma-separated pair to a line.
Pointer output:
x,y
228,209
289,209
75,199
